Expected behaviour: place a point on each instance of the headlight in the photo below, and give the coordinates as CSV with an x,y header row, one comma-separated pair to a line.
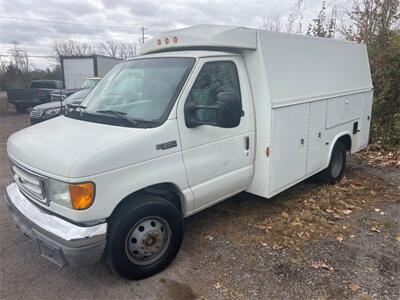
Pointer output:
x,y
52,111
73,195
58,191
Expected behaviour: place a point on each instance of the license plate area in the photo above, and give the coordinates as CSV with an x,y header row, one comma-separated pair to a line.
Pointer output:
x,y
52,253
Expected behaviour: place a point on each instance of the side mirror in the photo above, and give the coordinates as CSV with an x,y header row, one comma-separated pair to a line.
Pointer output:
x,y
228,112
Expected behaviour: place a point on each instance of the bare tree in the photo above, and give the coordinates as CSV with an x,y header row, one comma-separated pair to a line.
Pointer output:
x,y
72,47
295,18
20,59
271,24
111,48
321,26
118,49
370,19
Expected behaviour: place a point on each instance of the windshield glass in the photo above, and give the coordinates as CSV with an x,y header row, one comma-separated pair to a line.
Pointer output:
x,y
89,83
136,92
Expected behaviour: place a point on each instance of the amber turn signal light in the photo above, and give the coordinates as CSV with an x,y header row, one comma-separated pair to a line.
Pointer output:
x,y
82,195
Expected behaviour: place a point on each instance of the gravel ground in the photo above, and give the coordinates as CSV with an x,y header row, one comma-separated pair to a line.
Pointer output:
x,y
242,248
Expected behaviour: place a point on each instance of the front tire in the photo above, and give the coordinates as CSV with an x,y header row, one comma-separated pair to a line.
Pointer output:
x,y
145,235
335,170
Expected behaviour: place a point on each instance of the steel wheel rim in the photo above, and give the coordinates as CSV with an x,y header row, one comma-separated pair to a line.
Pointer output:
x,y
337,162
148,240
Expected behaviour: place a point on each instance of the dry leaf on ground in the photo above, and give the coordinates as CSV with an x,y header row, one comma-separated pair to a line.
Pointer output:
x,y
354,287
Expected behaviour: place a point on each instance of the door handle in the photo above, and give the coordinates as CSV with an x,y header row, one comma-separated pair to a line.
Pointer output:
x,y
247,142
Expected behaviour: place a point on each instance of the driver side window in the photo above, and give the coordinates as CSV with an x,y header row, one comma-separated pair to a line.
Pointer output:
x,y
214,78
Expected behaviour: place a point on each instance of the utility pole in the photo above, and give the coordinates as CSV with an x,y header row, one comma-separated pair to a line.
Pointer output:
x,y
142,29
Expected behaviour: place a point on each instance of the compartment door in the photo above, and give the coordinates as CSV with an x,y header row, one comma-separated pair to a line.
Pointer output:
x,y
316,146
288,145
365,121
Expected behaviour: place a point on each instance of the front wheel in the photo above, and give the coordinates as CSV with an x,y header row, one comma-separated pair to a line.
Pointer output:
x,y
145,235
335,171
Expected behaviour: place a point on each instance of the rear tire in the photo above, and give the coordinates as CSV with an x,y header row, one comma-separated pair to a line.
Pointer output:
x,y
21,109
335,170
145,235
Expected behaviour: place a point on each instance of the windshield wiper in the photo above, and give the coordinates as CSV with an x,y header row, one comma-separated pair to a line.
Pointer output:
x,y
120,114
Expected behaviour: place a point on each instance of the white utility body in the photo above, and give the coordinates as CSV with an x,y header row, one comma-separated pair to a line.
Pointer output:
x,y
202,114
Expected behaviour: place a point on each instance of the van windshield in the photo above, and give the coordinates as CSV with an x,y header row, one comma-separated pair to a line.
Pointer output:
x,y
136,92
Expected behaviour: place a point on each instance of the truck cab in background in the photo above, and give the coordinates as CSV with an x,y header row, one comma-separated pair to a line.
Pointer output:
x,y
204,113
38,92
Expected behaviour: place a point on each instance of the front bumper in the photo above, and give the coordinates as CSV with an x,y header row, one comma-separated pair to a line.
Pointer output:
x,y
58,240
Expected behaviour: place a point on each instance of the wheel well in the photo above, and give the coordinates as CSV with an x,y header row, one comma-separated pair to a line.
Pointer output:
x,y
346,140
168,191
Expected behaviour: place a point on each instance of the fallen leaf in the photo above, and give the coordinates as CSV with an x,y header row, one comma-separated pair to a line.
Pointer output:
x,y
347,211
316,264
209,237
264,244
276,247
397,238
339,238
285,215
377,209
354,287
374,229
218,285
327,267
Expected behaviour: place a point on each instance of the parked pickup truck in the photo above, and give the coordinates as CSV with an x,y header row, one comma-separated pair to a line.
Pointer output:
x,y
202,114
54,109
39,92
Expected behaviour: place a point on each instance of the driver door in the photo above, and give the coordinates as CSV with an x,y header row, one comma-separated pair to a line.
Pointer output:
x,y
218,161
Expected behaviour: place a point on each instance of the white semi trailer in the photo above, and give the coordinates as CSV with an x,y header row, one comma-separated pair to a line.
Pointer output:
x,y
204,113
75,69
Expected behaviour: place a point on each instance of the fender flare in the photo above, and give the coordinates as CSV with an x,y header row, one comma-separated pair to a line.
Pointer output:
x,y
334,140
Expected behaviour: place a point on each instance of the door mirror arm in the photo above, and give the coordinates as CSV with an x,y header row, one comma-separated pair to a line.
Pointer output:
x,y
191,114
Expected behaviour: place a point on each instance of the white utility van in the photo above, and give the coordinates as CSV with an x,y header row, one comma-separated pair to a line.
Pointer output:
x,y
204,113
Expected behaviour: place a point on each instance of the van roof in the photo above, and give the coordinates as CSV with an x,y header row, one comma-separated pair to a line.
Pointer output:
x,y
217,37
203,36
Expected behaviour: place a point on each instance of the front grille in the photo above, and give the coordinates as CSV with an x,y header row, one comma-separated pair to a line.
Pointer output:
x,y
29,183
36,113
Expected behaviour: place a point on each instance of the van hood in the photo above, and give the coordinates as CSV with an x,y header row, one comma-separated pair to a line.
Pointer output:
x,y
54,146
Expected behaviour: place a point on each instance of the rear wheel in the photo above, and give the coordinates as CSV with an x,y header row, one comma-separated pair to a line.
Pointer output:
x,y
21,109
335,171
144,236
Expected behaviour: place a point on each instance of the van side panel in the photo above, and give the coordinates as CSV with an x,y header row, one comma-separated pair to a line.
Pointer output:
x,y
302,69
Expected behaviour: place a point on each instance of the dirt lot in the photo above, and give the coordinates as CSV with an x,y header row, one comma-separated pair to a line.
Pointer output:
x,y
312,241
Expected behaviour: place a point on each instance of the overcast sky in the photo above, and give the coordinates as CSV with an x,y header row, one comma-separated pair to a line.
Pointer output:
x,y
34,24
